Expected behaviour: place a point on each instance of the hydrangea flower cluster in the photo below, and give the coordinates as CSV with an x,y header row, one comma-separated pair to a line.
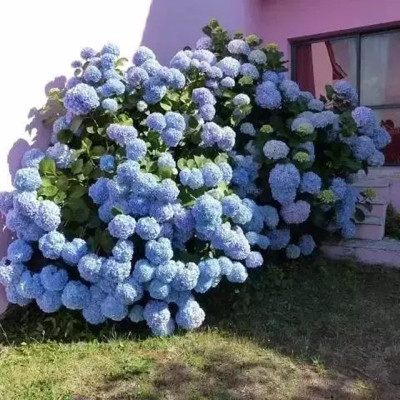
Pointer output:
x,y
161,181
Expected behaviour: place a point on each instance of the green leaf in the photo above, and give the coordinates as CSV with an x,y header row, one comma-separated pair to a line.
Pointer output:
x,y
116,211
47,167
49,191
77,192
181,163
97,151
166,105
59,197
76,167
62,183
87,168
46,182
65,136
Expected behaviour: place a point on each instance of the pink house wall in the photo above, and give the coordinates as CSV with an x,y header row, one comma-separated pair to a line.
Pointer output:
x,y
279,21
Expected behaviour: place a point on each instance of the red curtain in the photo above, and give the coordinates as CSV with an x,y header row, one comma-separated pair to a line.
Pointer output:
x,y
304,68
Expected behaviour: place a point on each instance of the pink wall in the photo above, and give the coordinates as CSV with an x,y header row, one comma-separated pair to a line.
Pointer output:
x,y
279,20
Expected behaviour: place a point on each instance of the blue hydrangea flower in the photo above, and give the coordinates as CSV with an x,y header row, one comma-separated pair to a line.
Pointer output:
x,y
257,57
250,70
284,180
136,314
363,147
310,183
166,191
212,175
156,122
279,238
315,105
293,251
275,149
180,61
166,272
166,160
124,249
143,271
205,56
115,271
365,120
136,149
112,87
122,226
229,66
27,179
49,301
81,99
110,105
175,120
32,158
51,245
136,76
339,188
159,252
290,90
29,285
268,96
91,75
241,99
228,82
203,96
190,316
171,137
254,260
121,134
106,162
148,228
61,154
296,213
89,267
107,61
186,277
247,128
204,43
110,48
53,279
10,273
238,46
88,52
98,191
129,291
211,133
377,159
143,54
158,290
345,90
19,251
113,308
75,295
238,274
306,245
26,203
158,317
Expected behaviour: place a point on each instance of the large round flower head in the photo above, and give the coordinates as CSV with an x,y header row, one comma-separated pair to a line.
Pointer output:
x,y
207,211
254,260
148,228
156,314
81,99
315,105
122,226
268,96
91,75
296,213
238,46
29,285
27,179
212,175
49,301
51,245
61,154
365,120
156,122
284,180
377,159
228,82
306,245
6,202
166,272
14,297
381,138
136,314
159,251
110,48
26,203
279,238
241,99
136,76
112,307
202,96
10,273
107,163
115,271
19,251
186,277
250,70
275,149
112,87
143,271
123,250
136,149
293,251
346,91
310,183
290,90
238,273
257,57
89,267
339,188
229,66
363,147
121,134
129,291
166,160
32,158
211,133
166,191
207,112
53,279
154,91
180,61
98,191
88,52
143,54
190,316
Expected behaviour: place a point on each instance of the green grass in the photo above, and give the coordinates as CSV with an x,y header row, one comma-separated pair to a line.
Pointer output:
x,y
311,330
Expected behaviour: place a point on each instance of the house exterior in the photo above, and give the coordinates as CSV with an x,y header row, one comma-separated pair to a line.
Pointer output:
x,y
324,40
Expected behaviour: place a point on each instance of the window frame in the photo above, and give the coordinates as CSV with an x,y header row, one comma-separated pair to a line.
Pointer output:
x,y
358,35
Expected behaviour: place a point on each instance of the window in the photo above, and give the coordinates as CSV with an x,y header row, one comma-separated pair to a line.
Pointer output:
x,y
370,61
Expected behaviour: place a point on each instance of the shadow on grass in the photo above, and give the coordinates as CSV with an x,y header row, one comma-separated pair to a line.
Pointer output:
x,y
334,328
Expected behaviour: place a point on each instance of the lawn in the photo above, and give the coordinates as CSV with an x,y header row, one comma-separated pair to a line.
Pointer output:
x,y
310,330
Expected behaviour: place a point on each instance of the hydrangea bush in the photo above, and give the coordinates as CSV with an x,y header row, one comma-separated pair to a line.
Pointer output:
x,y
160,181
